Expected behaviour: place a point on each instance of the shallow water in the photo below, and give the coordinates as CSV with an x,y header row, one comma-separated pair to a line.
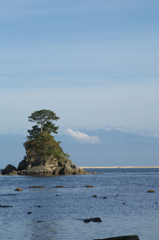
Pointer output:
x,y
61,216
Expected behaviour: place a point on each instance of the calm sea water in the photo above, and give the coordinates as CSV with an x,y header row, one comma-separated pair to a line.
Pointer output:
x,y
60,217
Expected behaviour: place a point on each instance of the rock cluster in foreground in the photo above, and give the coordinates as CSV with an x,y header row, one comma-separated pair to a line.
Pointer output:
x,y
48,167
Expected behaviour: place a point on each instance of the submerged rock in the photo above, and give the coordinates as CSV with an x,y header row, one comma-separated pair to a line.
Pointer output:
x,y
94,196
18,189
88,186
151,191
5,206
97,219
36,187
130,237
59,186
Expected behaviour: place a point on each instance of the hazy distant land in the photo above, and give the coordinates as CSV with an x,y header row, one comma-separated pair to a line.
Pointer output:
x,y
115,147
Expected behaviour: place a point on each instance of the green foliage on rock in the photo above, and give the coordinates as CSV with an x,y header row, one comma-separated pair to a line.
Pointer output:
x,y
44,145
41,144
33,133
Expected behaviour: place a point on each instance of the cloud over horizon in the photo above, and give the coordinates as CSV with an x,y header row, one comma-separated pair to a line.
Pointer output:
x,y
82,137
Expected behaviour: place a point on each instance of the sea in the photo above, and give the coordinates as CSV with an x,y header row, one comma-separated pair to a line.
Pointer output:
x,y
122,203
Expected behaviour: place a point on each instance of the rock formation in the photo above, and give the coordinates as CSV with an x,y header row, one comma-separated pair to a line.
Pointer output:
x,y
9,170
51,166
44,155
43,166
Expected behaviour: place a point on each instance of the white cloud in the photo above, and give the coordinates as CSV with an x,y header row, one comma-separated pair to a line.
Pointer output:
x,y
82,137
155,134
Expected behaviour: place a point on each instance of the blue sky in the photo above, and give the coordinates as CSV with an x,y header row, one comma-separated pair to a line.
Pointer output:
x,y
94,63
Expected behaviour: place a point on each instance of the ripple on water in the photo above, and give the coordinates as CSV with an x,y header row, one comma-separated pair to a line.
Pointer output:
x,y
62,209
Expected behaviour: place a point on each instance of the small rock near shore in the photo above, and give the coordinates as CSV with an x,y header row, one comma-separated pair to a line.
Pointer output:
x,y
59,186
9,169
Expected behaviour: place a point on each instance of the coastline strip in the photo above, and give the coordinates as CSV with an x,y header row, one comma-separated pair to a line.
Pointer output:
x,y
123,167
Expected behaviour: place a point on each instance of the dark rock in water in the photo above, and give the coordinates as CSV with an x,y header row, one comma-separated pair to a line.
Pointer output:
x,y
123,203
59,186
40,221
94,196
92,220
39,206
94,173
56,194
36,187
9,169
18,189
130,237
5,206
29,213
104,197
151,191
88,186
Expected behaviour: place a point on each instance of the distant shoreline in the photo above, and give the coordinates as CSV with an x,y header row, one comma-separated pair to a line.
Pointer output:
x,y
124,167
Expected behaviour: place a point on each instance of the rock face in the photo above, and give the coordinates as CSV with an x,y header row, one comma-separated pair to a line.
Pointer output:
x,y
47,166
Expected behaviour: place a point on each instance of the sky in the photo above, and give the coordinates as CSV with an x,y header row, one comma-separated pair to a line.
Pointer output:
x,y
93,62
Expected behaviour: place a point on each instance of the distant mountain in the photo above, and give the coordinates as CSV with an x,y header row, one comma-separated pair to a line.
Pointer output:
x,y
115,148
